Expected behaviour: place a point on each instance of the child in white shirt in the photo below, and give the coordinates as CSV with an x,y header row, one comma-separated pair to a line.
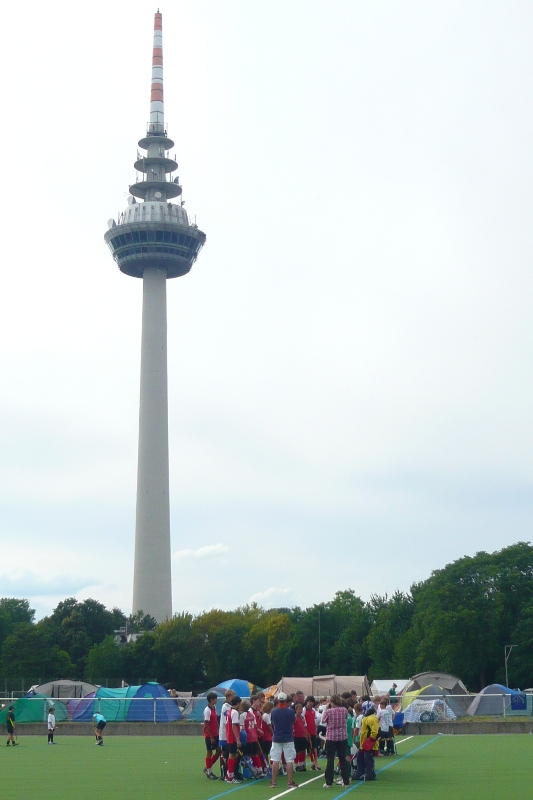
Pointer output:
x,y
51,725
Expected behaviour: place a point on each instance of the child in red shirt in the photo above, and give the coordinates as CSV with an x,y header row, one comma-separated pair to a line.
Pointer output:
x,y
310,718
211,734
301,738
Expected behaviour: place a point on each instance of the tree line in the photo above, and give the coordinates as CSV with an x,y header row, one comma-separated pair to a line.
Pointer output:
x,y
458,620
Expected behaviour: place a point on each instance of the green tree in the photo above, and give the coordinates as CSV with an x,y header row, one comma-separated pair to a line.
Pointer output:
x,y
391,621
223,634
105,662
77,626
12,613
262,644
30,653
456,620
140,622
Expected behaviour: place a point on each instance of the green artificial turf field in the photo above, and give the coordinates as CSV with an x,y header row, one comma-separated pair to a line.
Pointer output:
x,y
165,767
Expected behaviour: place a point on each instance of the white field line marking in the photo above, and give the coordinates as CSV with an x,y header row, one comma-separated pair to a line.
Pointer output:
x,y
293,788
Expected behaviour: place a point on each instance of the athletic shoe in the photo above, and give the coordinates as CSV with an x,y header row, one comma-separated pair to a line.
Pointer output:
x,y
211,777
273,785
100,743
328,786
293,785
205,770
15,744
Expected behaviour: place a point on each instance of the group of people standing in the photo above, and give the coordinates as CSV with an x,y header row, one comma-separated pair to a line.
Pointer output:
x,y
273,737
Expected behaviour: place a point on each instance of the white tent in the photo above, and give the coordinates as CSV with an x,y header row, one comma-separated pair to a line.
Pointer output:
x,y
324,685
430,710
382,687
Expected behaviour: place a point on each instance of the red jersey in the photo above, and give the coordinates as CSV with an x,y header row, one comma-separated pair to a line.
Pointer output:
x,y
267,727
259,723
232,719
210,722
250,726
299,727
310,718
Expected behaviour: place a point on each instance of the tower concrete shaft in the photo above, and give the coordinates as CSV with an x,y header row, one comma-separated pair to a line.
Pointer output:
x,y
152,580
154,240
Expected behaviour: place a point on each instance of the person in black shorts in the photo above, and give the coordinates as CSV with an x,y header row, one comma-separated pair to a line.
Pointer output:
x,y
99,725
10,726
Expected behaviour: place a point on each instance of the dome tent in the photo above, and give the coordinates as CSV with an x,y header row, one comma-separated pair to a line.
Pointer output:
x,y
150,702
35,709
443,679
63,689
496,699
432,703
240,687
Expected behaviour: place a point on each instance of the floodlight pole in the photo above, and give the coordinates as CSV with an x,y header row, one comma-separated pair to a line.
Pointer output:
x,y
507,652
319,640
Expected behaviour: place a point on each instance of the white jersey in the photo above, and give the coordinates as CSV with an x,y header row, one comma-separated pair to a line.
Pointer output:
x,y
51,722
222,724
385,718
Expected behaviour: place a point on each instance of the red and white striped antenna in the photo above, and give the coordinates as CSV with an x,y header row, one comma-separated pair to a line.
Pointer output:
x,y
157,107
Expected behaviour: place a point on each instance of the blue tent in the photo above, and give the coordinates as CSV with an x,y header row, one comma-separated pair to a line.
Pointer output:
x,y
240,687
147,703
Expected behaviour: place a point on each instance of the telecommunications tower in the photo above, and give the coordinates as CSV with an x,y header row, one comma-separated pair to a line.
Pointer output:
x,y
154,240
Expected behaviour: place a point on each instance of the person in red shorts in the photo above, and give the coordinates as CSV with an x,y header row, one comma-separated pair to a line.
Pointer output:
x,y
233,733
211,735
310,719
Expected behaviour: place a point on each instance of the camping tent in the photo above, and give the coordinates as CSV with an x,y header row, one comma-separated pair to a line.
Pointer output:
x,y
433,703
35,709
240,687
147,703
430,704
497,699
63,689
442,679
324,685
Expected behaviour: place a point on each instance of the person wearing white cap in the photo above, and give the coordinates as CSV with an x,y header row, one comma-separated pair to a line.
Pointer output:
x,y
283,740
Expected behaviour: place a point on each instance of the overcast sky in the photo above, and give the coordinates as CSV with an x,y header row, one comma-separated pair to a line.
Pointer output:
x,y
350,358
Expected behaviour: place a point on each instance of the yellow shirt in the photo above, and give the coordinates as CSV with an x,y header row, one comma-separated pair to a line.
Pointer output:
x,y
369,727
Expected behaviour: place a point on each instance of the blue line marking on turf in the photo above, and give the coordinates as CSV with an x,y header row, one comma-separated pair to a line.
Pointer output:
x,y
388,766
236,789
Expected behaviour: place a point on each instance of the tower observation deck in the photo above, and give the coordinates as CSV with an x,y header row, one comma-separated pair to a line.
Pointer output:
x,y
153,239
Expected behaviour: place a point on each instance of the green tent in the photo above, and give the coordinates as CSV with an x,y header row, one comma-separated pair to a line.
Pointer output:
x,y
35,709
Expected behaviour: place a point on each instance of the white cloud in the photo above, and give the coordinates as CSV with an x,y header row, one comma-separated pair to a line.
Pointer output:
x,y
209,551
272,591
